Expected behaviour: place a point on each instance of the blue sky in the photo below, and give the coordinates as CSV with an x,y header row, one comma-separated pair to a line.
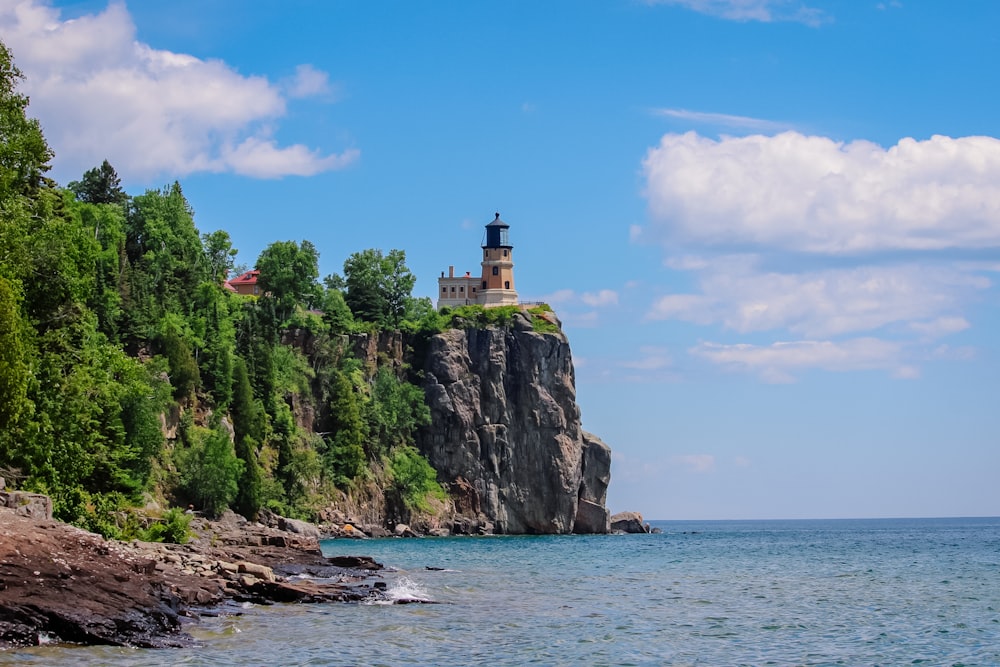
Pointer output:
x,y
771,227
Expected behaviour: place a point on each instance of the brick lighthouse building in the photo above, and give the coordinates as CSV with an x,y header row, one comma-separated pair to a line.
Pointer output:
x,y
496,286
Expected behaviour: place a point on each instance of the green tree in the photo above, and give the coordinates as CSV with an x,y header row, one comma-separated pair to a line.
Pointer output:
x,y
220,254
24,155
166,260
249,423
377,287
396,411
289,276
336,314
100,185
184,374
344,458
218,342
210,470
14,367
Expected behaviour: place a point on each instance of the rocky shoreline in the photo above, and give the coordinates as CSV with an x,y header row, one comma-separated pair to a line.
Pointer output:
x,y
61,583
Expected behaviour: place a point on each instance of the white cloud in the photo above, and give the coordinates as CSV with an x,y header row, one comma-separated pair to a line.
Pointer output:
x,y
949,353
941,326
723,120
777,362
264,159
309,82
696,462
604,297
737,295
815,195
560,296
753,10
652,359
99,93
598,299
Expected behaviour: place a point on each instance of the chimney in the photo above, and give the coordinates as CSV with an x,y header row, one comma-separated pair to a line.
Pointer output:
x,y
451,271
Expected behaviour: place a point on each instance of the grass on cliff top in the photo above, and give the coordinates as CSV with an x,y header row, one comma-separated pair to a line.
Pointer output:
x,y
478,317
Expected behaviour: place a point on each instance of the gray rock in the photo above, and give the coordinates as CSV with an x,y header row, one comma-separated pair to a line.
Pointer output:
x,y
628,522
591,518
506,432
298,527
31,505
402,530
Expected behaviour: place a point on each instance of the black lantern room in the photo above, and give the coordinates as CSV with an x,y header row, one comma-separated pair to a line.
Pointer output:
x,y
497,235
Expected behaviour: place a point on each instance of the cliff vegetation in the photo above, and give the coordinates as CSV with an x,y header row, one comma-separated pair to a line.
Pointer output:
x,y
130,376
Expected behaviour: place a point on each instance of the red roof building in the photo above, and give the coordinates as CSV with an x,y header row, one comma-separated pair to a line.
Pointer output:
x,y
245,283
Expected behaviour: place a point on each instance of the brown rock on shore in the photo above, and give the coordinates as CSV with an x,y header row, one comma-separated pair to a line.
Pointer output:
x,y
60,582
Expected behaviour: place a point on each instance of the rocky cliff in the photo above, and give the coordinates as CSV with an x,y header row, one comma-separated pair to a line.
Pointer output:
x,y
506,434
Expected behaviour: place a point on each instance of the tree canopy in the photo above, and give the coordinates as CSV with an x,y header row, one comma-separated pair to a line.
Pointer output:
x,y
99,185
377,287
128,370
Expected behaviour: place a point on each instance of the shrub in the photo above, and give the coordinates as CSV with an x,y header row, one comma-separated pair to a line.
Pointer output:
x,y
414,478
172,527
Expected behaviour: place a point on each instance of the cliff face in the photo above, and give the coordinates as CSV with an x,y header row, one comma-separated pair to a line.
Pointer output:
x,y
506,432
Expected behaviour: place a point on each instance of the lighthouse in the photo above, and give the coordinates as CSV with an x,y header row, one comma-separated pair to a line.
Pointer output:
x,y
497,285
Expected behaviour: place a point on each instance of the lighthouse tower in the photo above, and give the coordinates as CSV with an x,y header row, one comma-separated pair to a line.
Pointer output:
x,y
497,286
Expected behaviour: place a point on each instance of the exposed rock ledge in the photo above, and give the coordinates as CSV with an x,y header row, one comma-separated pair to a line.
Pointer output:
x,y
58,582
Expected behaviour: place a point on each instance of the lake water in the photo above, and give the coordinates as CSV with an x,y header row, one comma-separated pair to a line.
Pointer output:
x,y
851,592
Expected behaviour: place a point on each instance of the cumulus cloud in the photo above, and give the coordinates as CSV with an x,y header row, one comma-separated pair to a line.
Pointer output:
x,y
815,195
264,159
99,93
753,10
832,302
778,362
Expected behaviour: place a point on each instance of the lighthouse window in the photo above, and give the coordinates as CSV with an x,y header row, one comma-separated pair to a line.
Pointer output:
x,y
504,253
506,284
496,270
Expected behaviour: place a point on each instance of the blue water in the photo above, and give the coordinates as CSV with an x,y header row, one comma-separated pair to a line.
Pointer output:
x,y
865,592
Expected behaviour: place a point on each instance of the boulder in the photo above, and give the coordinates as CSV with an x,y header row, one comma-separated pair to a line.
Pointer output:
x,y
591,518
31,505
402,530
298,527
255,569
628,522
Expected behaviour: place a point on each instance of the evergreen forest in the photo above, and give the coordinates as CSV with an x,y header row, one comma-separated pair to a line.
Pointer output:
x,y
131,377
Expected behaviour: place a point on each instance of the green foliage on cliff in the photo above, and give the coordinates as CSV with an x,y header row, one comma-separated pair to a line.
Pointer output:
x,y
414,478
128,372
479,317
